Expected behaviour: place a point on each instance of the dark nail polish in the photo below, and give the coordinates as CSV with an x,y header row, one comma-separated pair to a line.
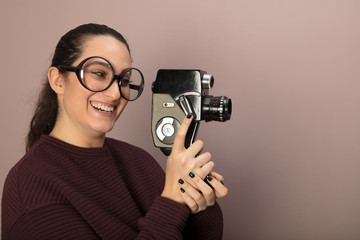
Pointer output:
x,y
208,182
191,174
182,190
222,182
207,179
189,115
181,181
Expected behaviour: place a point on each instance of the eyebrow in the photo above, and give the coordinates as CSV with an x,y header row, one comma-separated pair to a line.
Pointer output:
x,y
100,63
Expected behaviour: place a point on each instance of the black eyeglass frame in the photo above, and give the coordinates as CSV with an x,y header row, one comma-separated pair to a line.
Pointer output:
x,y
119,77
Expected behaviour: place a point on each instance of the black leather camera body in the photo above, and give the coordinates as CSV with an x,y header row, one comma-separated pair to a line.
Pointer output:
x,y
177,93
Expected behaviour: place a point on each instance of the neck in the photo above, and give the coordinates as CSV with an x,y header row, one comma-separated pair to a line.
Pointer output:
x,y
77,138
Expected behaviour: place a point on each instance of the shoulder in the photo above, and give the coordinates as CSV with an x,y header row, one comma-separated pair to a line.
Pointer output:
x,y
37,160
29,161
34,176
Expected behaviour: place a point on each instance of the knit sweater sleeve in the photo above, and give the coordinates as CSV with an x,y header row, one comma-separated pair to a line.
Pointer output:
x,y
170,220
51,222
63,221
58,222
166,219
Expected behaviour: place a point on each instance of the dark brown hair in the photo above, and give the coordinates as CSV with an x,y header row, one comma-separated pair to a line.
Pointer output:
x,y
67,51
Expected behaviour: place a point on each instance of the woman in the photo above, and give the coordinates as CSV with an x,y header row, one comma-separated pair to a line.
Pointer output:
x,y
75,183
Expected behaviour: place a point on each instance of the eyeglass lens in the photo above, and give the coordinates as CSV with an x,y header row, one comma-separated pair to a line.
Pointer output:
x,y
131,84
97,74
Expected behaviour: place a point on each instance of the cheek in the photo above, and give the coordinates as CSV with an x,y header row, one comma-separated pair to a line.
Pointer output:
x,y
126,92
75,96
121,107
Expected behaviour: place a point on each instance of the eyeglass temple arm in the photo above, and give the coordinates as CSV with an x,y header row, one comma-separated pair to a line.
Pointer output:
x,y
135,87
67,68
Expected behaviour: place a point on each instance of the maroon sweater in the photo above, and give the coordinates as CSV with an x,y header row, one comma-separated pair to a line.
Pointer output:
x,y
60,191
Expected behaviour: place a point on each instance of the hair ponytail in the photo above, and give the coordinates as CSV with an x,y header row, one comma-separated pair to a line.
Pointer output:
x,y
44,117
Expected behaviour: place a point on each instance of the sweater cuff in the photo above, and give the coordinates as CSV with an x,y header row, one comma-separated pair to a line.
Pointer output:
x,y
167,214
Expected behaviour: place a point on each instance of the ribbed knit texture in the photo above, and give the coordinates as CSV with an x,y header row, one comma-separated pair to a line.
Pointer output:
x,y
60,191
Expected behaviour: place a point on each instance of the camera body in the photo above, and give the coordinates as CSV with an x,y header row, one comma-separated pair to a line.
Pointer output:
x,y
177,93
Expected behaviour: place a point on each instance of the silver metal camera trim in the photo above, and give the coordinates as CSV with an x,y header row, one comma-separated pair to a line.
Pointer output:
x,y
207,81
197,94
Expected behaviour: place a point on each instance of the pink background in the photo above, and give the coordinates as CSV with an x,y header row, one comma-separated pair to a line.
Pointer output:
x,y
290,154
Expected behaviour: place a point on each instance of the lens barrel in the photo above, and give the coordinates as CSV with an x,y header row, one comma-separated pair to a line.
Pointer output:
x,y
216,108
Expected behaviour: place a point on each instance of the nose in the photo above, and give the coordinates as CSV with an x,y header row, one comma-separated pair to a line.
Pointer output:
x,y
113,91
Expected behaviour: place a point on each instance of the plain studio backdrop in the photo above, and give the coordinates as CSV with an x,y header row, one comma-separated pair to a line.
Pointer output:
x,y
290,154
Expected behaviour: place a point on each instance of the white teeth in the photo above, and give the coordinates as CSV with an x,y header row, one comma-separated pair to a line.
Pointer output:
x,y
103,108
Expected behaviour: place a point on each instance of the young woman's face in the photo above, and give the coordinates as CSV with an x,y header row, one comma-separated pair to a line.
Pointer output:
x,y
95,113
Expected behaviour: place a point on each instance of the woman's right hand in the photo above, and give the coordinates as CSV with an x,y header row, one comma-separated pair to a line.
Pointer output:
x,y
187,168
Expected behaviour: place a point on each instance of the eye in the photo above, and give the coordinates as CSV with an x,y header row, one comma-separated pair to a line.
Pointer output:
x,y
126,79
97,71
99,74
125,82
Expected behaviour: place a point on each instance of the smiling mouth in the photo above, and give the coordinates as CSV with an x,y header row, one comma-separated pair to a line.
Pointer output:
x,y
102,108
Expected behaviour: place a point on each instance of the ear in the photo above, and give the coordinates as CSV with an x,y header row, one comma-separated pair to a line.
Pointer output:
x,y
56,80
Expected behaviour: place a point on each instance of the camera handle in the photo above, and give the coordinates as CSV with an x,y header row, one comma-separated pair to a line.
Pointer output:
x,y
187,108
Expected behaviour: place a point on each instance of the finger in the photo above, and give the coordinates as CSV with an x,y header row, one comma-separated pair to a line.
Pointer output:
x,y
198,202
198,163
196,148
201,160
219,187
205,169
179,141
217,176
197,196
207,193
189,201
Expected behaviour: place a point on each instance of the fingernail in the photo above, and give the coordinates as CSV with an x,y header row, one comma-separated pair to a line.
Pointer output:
x,y
191,174
181,181
189,115
209,178
222,182
182,190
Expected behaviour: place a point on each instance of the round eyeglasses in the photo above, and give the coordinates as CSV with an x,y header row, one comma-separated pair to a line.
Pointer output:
x,y
96,74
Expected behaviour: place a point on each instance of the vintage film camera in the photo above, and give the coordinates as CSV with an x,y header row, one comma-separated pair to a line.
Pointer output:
x,y
176,93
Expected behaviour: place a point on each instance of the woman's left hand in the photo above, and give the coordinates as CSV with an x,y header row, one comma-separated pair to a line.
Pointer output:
x,y
198,195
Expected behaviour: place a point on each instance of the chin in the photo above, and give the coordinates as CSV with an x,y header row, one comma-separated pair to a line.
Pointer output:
x,y
103,129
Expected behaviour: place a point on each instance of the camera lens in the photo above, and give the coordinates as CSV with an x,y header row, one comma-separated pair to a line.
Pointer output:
x,y
216,108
